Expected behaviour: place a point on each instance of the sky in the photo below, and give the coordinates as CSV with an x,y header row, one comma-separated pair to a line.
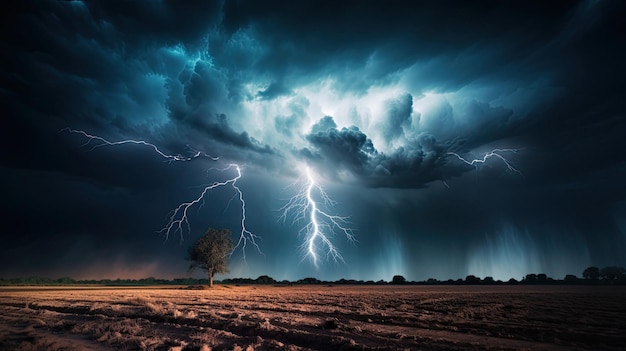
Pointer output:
x,y
382,105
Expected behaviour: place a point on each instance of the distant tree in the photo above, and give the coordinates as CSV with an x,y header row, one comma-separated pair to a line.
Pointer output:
x,y
570,278
531,278
243,281
210,252
309,280
264,279
65,281
398,279
611,272
592,273
489,280
472,279
542,277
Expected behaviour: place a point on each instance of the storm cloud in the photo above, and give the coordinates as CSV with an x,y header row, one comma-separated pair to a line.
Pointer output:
x,y
416,163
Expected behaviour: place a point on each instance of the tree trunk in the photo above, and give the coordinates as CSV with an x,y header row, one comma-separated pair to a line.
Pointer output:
x,y
210,271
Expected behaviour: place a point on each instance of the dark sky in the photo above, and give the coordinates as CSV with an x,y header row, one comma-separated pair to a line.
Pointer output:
x,y
371,97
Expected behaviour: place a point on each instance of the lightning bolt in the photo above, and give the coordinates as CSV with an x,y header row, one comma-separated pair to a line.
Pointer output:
x,y
95,142
179,219
320,224
497,153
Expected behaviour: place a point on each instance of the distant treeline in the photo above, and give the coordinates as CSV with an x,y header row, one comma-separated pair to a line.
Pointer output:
x,y
611,275
107,282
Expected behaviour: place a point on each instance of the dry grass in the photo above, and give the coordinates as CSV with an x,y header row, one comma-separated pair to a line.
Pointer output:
x,y
314,318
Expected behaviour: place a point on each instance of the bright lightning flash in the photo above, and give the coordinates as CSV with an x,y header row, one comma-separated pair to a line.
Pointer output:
x,y
320,224
493,153
95,142
179,220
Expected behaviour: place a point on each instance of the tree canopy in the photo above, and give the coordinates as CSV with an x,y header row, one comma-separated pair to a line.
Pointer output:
x,y
612,272
210,252
592,273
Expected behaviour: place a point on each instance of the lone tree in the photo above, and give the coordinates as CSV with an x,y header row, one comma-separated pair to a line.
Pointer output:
x,y
592,273
210,252
398,279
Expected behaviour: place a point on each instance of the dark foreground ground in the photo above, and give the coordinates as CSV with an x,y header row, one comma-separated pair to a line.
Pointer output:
x,y
314,318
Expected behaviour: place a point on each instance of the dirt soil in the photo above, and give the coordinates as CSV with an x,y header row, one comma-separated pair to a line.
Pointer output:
x,y
314,317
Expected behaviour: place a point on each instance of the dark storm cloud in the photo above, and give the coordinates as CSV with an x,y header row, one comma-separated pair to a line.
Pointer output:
x,y
273,91
167,21
369,42
111,67
222,132
376,38
348,147
420,161
537,54
555,49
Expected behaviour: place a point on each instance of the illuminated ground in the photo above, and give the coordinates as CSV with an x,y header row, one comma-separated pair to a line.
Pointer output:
x,y
315,317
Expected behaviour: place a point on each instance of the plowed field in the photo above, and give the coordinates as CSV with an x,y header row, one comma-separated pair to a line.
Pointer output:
x,y
315,317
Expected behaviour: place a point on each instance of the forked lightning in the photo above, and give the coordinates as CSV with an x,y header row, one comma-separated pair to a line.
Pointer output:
x,y
493,153
319,224
179,220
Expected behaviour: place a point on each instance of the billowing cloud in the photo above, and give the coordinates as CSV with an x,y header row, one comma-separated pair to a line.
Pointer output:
x,y
348,147
273,91
416,163
397,117
324,126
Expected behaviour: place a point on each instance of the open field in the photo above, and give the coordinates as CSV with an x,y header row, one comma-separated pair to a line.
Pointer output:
x,y
315,317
